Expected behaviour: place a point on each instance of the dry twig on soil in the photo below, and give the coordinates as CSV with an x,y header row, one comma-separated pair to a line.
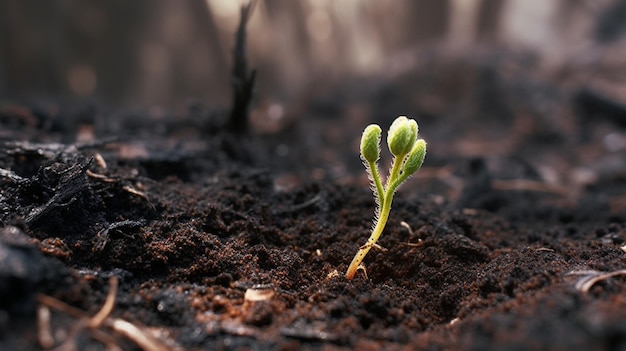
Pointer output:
x,y
98,325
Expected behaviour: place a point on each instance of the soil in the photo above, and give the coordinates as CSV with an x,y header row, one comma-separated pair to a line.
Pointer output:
x,y
240,241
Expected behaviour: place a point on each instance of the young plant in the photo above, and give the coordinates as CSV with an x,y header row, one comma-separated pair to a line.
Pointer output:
x,y
408,155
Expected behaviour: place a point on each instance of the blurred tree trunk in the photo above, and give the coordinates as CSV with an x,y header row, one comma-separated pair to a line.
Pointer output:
x,y
153,50
43,41
426,20
31,46
488,17
292,56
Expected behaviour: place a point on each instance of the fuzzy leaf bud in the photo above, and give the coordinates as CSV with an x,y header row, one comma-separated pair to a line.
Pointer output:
x,y
415,158
402,135
370,143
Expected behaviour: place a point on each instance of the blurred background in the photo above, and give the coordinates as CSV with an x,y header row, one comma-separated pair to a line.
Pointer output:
x,y
534,88
163,52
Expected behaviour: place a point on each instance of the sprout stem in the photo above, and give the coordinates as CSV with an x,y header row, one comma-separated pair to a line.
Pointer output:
x,y
383,215
409,152
380,191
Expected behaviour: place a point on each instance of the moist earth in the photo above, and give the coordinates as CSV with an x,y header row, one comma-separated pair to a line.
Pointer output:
x,y
511,237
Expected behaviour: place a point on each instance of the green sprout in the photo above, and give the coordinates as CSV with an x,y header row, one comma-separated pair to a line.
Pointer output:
x,y
408,155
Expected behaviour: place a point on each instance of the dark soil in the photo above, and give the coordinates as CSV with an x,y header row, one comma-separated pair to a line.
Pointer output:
x,y
240,241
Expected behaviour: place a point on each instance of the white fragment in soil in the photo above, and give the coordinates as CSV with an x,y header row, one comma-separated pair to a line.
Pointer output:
x,y
623,248
276,111
255,295
332,274
438,199
584,176
470,211
614,142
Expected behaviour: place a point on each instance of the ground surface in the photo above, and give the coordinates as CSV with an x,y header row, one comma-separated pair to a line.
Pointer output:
x,y
223,241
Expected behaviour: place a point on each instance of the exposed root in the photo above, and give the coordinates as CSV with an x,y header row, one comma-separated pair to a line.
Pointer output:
x,y
407,226
141,194
101,326
375,246
109,303
138,335
362,268
44,332
591,278
419,242
101,177
128,188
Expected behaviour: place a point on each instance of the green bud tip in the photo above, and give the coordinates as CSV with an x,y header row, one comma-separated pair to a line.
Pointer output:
x,y
402,135
370,141
415,158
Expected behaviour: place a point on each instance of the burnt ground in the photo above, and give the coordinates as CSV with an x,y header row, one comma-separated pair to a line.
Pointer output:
x,y
240,241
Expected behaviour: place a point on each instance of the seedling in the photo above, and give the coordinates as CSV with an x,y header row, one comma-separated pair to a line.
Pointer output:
x,y
408,155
